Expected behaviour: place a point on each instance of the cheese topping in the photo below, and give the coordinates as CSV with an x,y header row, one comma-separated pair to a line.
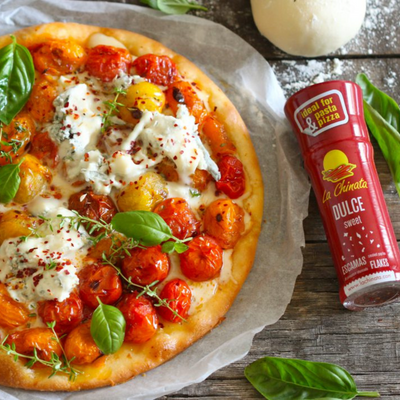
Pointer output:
x,y
77,129
42,266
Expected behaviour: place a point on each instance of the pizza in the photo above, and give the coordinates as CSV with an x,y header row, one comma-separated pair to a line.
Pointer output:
x,y
135,209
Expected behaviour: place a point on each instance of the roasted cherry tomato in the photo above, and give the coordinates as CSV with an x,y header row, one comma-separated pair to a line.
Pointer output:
x,y
179,217
203,260
233,180
81,346
106,246
99,281
143,193
145,266
35,338
224,221
167,168
160,70
67,314
43,148
34,178
14,224
180,296
200,179
12,313
15,137
214,133
184,93
140,316
94,206
106,62
40,103
58,57
143,96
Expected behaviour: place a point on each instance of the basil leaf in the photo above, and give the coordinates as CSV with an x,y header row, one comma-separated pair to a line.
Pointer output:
x,y
380,101
151,3
292,379
174,6
168,247
17,75
9,182
108,328
382,115
148,228
180,247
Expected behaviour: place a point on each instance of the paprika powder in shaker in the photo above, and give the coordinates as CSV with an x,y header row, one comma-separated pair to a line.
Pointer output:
x,y
329,124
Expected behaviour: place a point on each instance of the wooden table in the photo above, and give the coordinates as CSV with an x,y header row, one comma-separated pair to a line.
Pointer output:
x,y
315,325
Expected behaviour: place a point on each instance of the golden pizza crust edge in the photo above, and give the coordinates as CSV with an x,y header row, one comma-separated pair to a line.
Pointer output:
x,y
132,360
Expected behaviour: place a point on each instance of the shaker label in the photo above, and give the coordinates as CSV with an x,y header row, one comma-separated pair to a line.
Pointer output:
x,y
322,112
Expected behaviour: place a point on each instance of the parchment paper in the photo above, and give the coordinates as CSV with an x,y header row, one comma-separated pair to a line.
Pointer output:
x,y
249,82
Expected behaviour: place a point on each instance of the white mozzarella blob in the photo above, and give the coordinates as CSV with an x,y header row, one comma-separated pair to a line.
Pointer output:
x,y
98,39
309,28
43,266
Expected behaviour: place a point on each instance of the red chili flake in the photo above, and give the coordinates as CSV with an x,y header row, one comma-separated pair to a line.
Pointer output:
x,y
181,152
37,279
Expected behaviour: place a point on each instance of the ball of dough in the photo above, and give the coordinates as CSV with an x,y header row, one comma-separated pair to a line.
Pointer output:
x,y
308,28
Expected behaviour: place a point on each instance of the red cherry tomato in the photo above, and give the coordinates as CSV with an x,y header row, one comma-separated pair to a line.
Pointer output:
x,y
183,92
100,281
106,62
233,180
58,57
44,149
214,133
94,206
160,70
203,260
178,291
67,314
140,316
39,339
145,266
179,217
224,221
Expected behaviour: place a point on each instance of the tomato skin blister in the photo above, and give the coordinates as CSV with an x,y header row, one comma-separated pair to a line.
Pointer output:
x,y
160,70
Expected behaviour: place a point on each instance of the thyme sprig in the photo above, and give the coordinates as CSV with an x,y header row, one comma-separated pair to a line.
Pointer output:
x,y
57,364
112,109
148,290
119,245
15,144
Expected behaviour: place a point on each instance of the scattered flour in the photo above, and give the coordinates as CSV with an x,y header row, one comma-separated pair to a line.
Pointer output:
x,y
296,75
378,36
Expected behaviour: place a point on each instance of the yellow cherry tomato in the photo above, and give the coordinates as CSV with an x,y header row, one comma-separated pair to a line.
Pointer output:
x,y
143,96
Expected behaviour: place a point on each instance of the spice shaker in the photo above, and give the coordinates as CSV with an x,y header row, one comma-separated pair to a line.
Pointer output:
x,y
328,121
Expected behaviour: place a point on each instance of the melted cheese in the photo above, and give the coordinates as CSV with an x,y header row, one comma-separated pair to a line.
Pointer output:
x,y
43,266
77,128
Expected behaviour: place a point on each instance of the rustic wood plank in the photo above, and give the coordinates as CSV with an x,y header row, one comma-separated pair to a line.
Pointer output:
x,y
374,38
317,327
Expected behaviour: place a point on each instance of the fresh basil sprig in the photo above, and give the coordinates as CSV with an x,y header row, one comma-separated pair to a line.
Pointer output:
x,y
9,181
292,379
174,6
382,115
148,229
17,75
108,328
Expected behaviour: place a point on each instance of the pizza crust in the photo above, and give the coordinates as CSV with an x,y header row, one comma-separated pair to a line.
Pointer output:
x,y
131,359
